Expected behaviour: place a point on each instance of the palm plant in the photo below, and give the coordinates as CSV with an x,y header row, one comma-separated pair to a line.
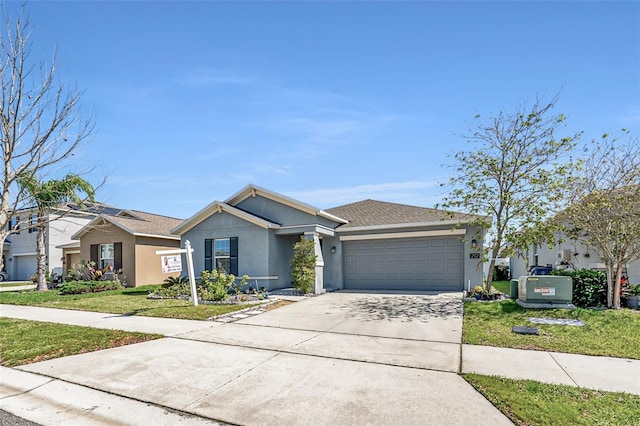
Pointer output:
x,y
47,196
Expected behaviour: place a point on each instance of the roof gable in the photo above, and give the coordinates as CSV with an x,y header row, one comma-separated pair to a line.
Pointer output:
x,y
219,207
253,191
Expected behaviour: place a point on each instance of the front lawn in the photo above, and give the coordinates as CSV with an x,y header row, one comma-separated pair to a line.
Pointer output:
x,y
130,301
614,333
527,402
24,342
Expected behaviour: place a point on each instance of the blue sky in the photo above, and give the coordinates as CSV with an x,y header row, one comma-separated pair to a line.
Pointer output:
x,y
327,102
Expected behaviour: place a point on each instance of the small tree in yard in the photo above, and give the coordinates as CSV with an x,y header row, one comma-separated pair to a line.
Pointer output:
x,y
303,265
47,197
605,207
514,179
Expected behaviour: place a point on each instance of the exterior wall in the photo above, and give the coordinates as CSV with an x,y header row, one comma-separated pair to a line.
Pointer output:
x,y
580,254
280,213
253,243
473,268
333,268
59,233
23,245
107,234
148,263
280,254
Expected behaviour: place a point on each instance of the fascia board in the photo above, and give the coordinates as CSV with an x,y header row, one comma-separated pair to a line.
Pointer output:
x,y
85,228
401,225
164,237
194,220
382,236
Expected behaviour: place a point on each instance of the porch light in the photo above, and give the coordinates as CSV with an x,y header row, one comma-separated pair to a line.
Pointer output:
x,y
474,243
333,250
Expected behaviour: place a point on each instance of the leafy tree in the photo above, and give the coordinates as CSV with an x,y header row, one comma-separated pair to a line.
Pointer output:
x,y
49,196
303,265
604,210
40,127
513,178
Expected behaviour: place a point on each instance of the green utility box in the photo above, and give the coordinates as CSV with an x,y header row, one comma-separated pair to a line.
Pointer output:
x,y
548,289
514,289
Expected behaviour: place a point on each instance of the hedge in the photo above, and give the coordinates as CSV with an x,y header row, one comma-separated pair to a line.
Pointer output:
x,y
79,287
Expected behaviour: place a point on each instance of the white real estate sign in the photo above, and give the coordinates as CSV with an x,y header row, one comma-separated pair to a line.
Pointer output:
x,y
171,264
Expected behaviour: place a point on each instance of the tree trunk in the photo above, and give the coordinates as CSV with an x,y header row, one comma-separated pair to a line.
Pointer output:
x,y
610,280
616,287
41,255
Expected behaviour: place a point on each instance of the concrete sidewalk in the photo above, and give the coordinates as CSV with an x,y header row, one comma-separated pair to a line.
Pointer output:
x,y
344,364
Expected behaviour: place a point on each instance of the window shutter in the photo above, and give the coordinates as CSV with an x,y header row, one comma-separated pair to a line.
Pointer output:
x,y
93,253
233,256
208,254
117,256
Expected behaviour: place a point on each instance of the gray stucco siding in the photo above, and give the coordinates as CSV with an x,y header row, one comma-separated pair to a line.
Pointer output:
x,y
281,214
253,242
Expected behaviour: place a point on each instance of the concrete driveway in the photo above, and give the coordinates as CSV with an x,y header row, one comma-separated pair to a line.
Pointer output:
x,y
341,358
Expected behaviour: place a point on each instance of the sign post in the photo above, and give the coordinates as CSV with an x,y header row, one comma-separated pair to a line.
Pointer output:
x,y
189,254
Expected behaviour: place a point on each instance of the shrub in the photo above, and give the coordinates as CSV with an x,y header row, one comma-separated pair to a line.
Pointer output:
x,y
79,287
589,287
176,280
215,285
303,266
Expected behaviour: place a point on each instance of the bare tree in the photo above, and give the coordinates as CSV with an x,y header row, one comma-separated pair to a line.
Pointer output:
x,y
605,206
513,179
40,125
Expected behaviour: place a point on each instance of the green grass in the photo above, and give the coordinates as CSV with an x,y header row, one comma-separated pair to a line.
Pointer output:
x,y
614,333
130,301
527,402
24,342
502,286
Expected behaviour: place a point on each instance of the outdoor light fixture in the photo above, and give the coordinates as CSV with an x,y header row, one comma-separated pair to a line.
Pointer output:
x,y
333,250
474,243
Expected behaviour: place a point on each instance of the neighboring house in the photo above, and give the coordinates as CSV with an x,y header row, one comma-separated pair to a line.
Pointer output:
x,y
127,241
20,247
566,253
368,245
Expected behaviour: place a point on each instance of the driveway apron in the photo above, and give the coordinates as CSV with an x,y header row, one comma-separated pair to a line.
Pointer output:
x,y
340,358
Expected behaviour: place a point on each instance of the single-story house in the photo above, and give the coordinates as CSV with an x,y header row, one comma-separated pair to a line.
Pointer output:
x,y
566,253
367,245
127,241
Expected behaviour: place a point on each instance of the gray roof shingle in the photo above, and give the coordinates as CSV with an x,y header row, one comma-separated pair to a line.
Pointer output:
x,y
145,223
379,213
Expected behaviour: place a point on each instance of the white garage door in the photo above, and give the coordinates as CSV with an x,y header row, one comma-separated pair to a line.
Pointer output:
x,y
429,263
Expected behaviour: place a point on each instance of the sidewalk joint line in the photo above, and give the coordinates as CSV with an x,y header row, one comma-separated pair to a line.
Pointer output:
x,y
563,369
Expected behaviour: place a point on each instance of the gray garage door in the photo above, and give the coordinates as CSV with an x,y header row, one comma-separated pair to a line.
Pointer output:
x,y
430,263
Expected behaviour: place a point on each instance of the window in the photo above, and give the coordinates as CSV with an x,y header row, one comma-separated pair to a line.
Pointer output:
x,y
106,256
34,222
221,253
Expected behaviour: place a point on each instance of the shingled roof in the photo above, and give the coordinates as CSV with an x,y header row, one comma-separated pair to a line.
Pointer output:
x,y
137,223
380,213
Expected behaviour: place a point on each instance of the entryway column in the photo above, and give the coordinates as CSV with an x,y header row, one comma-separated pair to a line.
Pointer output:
x,y
318,287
